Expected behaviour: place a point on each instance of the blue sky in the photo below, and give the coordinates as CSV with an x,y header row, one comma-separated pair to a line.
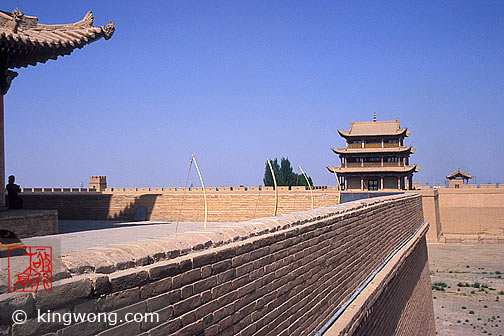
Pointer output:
x,y
235,82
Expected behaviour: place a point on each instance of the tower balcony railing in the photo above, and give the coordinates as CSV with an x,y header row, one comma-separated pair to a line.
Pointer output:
x,y
371,164
372,145
392,164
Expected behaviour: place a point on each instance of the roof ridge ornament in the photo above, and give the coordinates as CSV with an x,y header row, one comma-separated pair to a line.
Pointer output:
x,y
88,18
374,117
18,16
108,30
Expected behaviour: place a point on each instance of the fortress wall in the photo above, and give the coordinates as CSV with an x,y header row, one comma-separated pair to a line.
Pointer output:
x,y
390,304
472,211
478,213
234,205
467,211
282,275
430,204
29,223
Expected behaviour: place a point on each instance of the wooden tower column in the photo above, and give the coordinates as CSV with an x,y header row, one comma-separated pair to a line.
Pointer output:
x,y
2,156
6,77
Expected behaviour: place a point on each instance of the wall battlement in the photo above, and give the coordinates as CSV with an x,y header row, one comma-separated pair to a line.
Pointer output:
x,y
460,186
163,190
465,211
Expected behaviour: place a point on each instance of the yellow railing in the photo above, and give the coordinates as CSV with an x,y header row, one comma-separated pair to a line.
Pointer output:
x,y
372,145
390,145
372,164
354,145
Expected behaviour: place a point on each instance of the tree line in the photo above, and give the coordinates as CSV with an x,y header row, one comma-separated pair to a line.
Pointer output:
x,y
285,176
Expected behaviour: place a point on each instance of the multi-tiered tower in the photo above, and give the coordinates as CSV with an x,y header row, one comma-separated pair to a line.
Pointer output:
x,y
375,157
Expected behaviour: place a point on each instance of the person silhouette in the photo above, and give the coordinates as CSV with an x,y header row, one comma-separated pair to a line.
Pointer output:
x,y
13,190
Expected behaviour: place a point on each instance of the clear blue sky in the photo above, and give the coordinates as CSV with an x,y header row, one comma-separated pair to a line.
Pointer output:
x,y
235,82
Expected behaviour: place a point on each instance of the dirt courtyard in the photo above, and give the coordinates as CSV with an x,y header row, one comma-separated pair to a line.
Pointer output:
x,y
468,288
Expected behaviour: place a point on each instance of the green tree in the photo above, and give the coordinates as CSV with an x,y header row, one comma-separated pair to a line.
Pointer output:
x,y
268,179
284,174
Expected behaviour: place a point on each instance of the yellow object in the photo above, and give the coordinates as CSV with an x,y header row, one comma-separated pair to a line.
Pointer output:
x,y
307,181
5,247
204,192
276,189
339,188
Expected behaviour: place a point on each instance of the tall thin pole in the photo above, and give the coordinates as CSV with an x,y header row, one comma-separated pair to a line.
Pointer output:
x,y
204,192
339,188
308,182
276,189
2,154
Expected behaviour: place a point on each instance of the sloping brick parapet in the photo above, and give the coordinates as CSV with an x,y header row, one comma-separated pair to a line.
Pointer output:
x,y
282,275
390,302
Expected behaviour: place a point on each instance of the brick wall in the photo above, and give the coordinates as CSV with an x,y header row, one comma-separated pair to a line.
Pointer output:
x,y
449,211
430,204
282,275
29,223
188,206
391,303
464,215
472,211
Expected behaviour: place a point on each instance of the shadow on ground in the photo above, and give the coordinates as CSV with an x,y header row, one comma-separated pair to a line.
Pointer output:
x,y
69,226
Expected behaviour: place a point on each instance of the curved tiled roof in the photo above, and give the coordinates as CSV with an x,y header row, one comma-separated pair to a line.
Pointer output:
x,y
23,41
458,173
346,150
374,128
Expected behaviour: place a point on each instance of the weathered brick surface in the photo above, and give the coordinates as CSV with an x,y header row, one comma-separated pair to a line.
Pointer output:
x,y
468,215
398,301
29,223
276,276
237,205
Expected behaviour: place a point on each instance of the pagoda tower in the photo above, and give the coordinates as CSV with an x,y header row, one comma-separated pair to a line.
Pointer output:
x,y
375,157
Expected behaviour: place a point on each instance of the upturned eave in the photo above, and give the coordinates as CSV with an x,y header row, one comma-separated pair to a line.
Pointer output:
x,y
346,150
24,41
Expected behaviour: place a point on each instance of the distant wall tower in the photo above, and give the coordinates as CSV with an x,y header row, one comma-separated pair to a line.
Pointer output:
x,y
99,183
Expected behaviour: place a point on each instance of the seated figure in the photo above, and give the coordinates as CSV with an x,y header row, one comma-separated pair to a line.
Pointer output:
x,y
13,190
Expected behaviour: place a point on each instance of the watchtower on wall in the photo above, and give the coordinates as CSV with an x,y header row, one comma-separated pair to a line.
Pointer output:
x,y
457,179
99,183
375,157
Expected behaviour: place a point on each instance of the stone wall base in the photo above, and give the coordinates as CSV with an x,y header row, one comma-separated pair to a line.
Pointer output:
x,y
471,239
29,223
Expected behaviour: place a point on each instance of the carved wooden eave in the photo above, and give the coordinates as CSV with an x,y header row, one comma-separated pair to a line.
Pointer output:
x,y
24,41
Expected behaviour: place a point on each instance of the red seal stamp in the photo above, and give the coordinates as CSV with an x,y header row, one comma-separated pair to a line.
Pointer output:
x,y
32,269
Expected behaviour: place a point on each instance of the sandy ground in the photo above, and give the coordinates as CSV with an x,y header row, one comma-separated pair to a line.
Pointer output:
x,y
469,295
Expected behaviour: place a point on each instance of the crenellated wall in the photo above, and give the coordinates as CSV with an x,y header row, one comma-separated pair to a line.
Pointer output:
x,y
224,204
475,212
284,275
